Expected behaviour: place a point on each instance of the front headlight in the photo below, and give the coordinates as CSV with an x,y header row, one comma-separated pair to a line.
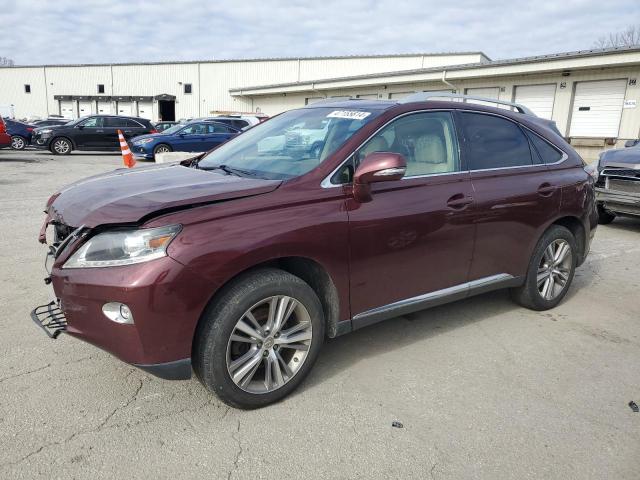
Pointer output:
x,y
143,141
44,131
123,247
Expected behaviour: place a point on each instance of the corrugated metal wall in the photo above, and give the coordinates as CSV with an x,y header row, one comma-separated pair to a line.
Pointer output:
x,y
210,81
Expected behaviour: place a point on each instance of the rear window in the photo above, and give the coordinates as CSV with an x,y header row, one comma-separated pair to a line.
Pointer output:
x,y
546,152
494,142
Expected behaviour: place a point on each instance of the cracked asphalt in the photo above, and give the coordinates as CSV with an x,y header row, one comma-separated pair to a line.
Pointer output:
x,y
483,388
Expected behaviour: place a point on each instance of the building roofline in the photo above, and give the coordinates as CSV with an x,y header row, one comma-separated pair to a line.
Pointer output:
x,y
243,60
449,68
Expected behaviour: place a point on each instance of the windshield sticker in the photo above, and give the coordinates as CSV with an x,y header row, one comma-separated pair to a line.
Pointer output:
x,y
350,114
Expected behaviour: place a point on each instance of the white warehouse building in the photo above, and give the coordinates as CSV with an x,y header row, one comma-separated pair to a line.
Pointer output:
x,y
592,95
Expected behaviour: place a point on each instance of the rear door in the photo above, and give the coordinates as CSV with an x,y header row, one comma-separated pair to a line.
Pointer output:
x,y
217,134
515,197
109,139
416,236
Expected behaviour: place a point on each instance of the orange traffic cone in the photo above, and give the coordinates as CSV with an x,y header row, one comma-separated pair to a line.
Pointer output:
x,y
127,156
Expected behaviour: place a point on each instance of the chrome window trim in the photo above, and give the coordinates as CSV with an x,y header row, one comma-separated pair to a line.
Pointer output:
x,y
326,182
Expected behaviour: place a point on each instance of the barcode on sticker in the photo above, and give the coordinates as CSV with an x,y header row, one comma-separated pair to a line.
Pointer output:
x,y
350,114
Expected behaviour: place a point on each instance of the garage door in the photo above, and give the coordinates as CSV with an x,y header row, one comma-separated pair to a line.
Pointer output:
x,y
85,107
310,100
145,110
67,108
124,108
538,98
370,96
597,107
488,92
104,107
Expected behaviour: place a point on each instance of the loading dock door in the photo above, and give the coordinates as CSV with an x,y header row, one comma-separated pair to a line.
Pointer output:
x,y
104,107
85,107
597,108
67,108
145,110
538,98
124,108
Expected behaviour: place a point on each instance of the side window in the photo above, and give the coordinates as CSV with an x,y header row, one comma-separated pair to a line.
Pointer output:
x,y
218,128
494,142
239,124
93,122
427,141
114,122
131,123
547,152
195,129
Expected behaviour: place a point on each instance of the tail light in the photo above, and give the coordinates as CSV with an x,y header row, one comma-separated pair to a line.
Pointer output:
x,y
153,131
3,127
30,129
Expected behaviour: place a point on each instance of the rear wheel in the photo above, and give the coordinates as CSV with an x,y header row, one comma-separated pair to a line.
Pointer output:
x,y
18,142
61,146
550,272
605,217
259,340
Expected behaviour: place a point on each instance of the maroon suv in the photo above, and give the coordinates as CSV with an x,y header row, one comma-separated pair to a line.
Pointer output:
x,y
323,220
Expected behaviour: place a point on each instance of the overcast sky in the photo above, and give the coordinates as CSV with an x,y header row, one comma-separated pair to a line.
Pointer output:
x,y
96,31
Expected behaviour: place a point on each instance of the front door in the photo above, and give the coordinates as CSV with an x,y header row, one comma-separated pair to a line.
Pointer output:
x,y
88,133
515,197
414,240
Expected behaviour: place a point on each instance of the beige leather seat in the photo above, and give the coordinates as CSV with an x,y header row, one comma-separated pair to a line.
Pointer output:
x,y
430,156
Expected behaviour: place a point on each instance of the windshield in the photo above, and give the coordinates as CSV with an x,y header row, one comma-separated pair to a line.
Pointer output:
x,y
290,144
173,129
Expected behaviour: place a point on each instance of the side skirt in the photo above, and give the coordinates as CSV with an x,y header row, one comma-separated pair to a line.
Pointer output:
x,y
432,299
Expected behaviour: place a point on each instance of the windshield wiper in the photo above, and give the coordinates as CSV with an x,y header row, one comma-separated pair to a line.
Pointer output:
x,y
231,170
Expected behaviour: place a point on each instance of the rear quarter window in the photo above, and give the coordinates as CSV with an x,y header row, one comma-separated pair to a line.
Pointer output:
x,y
546,152
493,142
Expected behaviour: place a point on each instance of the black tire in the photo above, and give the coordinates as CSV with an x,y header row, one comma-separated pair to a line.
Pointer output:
x,y
161,147
61,146
219,322
529,295
605,217
18,142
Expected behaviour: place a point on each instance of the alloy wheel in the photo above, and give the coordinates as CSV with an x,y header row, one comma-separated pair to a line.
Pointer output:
x,y
554,269
61,146
17,143
269,344
162,149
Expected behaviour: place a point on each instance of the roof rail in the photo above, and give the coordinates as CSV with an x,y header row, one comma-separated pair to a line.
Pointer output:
x,y
424,96
334,99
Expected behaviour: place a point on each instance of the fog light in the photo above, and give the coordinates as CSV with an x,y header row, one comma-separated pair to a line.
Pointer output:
x,y
118,312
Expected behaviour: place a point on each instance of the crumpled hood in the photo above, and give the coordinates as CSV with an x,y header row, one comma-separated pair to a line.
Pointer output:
x,y
621,156
126,196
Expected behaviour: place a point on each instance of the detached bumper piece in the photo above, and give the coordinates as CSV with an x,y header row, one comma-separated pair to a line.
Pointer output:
x,y
50,318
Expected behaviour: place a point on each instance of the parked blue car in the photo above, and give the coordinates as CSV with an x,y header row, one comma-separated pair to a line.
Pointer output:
x,y
20,133
189,137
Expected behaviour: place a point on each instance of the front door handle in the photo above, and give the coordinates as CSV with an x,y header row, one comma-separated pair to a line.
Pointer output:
x,y
99,131
459,201
546,190
128,132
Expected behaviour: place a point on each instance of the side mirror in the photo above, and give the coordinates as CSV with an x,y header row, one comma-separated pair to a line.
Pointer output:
x,y
631,143
80,127
377,167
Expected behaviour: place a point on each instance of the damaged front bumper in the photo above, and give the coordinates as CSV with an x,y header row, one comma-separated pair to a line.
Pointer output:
x,y
50,318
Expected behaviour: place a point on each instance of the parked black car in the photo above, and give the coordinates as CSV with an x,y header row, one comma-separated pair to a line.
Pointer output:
x,y
20,133
49,122
95,132
618,186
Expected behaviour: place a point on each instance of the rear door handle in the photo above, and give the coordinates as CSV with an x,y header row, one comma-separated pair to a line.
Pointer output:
x,y
546,190
128,132
459,201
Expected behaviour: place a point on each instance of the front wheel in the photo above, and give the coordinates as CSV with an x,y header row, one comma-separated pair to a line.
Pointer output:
x,y
550,272
162,148
61,146
258,341
18,142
